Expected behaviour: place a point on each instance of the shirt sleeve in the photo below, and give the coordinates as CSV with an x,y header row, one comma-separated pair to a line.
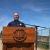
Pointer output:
x,y
23,25
9,24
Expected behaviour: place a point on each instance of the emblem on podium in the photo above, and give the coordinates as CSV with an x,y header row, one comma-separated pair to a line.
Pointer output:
x,y
19,35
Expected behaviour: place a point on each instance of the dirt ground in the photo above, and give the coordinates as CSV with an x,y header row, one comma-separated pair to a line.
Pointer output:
x,y
2,45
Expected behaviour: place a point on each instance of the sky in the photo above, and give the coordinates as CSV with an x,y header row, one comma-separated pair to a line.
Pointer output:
x,y
34,12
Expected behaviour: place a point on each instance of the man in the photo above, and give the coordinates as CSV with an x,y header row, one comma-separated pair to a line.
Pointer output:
x,y
16,21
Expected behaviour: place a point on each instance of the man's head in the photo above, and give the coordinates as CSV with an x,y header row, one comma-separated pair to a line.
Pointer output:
x,y
16,16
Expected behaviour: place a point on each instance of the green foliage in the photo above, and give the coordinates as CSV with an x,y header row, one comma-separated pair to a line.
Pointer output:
x,y
45,46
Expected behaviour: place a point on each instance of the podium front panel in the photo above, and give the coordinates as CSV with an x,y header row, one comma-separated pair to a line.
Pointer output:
x,y
8,32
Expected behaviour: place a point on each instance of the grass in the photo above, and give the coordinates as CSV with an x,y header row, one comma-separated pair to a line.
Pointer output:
x,y
43,46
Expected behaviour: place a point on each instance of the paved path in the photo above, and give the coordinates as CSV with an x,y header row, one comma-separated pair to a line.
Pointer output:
x,y
0,45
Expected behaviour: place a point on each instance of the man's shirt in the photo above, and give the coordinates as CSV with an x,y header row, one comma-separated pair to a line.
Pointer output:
x,y
16,23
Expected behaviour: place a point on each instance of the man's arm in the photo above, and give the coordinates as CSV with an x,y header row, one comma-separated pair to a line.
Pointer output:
x,y
23,25
9,24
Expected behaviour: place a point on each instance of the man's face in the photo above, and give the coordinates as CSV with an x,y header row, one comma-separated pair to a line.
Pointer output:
x,y
16,16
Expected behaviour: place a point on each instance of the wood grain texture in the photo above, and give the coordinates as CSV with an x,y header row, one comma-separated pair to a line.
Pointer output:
x,y
19,46
4,46
7,34
10,44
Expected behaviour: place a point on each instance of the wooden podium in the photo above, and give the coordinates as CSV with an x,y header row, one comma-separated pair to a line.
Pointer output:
x,y
18,38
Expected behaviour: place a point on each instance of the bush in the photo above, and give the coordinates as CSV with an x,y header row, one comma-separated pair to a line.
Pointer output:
x,y
45,46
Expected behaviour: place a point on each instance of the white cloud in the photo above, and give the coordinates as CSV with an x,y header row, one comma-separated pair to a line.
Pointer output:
x,y
1,9
44,18
47,19
31,6
38,7
4,20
